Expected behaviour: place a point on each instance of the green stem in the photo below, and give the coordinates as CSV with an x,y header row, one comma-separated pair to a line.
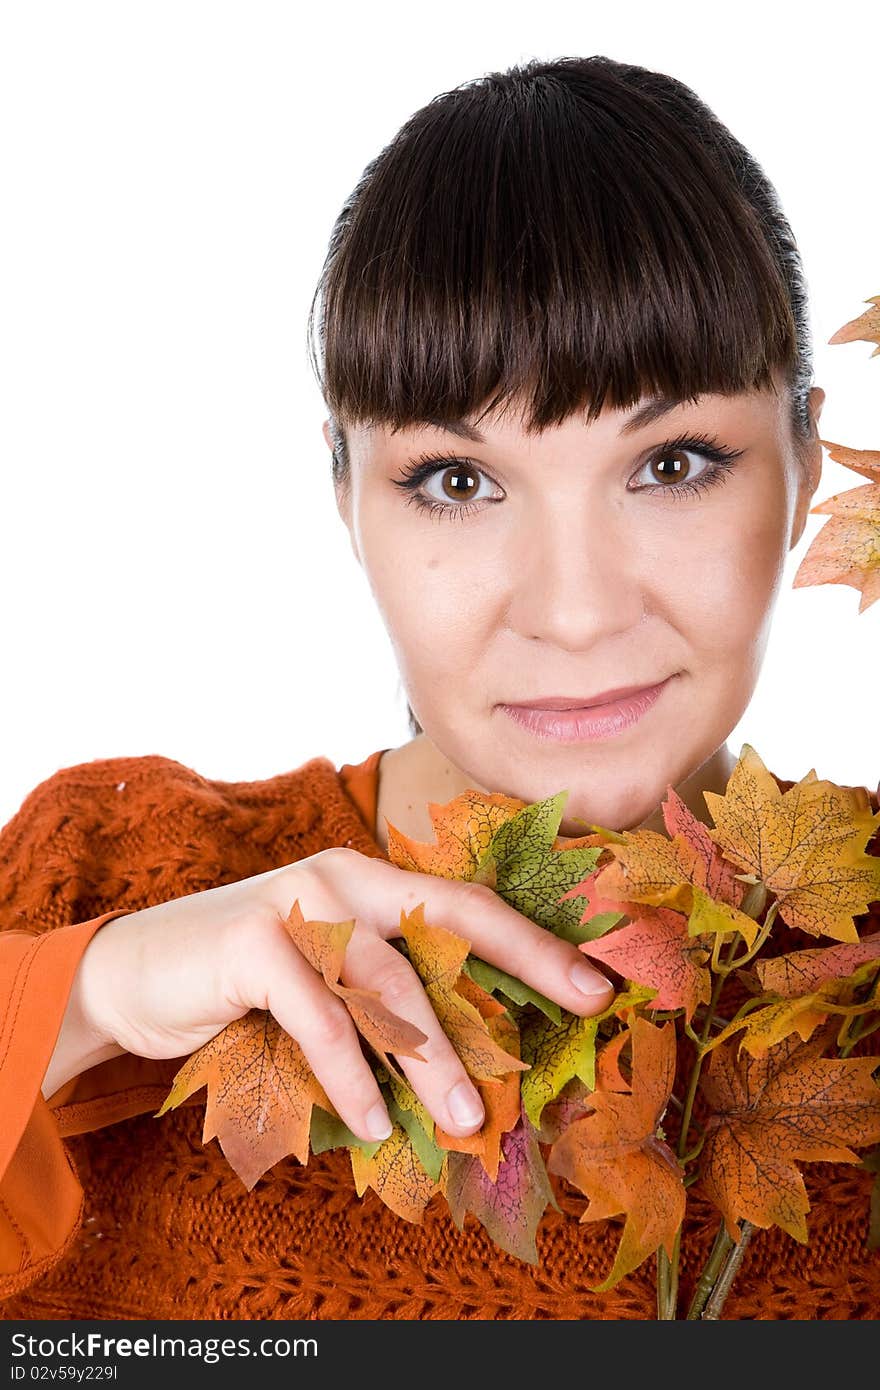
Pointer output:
x,y
753,950
667,1270
662,1284
667,1287
861,1029
712,1311
691,1095
711,1270
695,1151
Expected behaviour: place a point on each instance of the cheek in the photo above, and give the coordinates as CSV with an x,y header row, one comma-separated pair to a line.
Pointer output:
x,y
429,600
728,579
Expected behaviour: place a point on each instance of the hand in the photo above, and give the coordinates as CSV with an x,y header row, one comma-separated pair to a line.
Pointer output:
x,y
164,980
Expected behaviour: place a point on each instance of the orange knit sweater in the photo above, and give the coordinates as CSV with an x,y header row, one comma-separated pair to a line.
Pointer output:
x,y
109,1212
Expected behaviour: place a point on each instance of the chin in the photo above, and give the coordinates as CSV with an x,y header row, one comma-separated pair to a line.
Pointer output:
x,y
612,812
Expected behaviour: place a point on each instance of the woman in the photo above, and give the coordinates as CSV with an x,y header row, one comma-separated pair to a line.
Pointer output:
x,y
563,311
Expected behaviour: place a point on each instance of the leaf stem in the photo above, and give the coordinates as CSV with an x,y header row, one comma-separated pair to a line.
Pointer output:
x,y
691,1095
711,1270
712,1311
667,1280
862,1029
737,961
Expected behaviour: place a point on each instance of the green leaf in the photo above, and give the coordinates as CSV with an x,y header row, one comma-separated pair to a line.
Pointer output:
x,y
329,1132
531,875
555,1055
493,980
590,930
427,1151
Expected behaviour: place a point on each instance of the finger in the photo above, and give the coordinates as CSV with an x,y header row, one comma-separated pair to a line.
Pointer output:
x,y
440,1081
319,1021
497,933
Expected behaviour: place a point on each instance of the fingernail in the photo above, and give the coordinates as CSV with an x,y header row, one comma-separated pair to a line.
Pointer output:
x,y
588,981
465,1105
378,1124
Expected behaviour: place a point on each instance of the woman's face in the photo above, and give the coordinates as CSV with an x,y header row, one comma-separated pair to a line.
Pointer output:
x,y
580,560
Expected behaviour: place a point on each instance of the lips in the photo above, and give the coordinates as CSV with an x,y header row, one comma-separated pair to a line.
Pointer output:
x,y
562,702
556,720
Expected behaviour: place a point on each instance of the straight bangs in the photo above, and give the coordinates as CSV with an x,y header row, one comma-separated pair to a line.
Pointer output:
x,y
571,235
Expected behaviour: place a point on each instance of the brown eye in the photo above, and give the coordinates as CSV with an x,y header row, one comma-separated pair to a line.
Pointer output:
x,y
671,466
459,483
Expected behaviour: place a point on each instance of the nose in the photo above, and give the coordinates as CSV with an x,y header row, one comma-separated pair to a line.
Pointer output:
x,y
576,578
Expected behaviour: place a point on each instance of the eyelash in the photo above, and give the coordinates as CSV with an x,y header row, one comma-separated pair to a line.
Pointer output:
x,y
419,470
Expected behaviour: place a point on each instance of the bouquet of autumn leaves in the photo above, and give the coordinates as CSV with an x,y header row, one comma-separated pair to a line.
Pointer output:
x,y
748,960
708,1016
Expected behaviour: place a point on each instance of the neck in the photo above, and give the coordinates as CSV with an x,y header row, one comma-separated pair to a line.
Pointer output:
x,y
417,773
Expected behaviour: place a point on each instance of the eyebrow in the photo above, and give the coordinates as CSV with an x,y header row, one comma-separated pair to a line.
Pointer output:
x,y
653,409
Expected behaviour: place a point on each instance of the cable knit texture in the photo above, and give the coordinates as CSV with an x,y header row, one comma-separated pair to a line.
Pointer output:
x,y
109,1212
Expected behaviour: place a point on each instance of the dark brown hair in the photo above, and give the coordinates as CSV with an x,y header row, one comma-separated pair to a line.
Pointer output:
x,y
572,233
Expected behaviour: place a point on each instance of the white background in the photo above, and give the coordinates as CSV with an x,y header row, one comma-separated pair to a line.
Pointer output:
x,y
175,578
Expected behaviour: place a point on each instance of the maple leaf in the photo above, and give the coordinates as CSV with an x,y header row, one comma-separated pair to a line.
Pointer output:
x,y
801,972
847,549
395,1174
496,981
323,945
328,1131
261,1090
437,955
523,865
686,872
709,917
463,829
557,1053
805,845
776,1020
511,1207
766,1113
864,329
501,1102
575,1099
405,1109
516,850
617,1158
658,950
701,860
825,988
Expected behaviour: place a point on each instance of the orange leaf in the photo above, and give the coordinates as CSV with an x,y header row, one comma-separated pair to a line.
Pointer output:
x,y
864,329
616,1157
806,845
649,868
800,972
395,1174
323,945
501,1101
847,549
791,1104
656,949
463,828
261,1091
436,955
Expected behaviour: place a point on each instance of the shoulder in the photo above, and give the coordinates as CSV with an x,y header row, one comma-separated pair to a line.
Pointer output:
x,y
129,831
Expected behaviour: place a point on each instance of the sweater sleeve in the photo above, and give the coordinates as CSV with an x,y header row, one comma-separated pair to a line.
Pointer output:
x,y
40,1194
53,873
